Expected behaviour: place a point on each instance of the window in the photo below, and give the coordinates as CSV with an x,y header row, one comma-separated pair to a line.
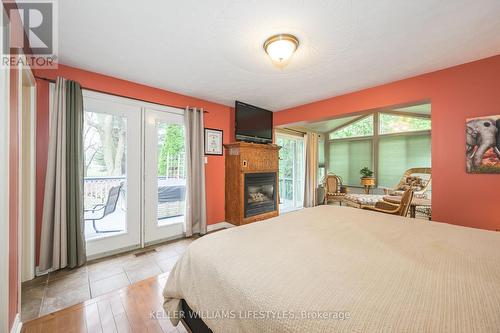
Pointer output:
x,y
363,127
399,153
391,123
400,142
347,157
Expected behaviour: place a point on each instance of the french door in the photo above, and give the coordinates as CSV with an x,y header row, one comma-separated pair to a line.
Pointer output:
x,y
112,169
134,173
165,174
291,171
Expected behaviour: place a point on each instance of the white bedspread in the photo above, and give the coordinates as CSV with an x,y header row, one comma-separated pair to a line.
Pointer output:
x,y
386,273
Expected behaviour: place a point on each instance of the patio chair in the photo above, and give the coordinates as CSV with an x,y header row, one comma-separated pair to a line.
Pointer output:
x,y
334,190
412,180
394,209
108,208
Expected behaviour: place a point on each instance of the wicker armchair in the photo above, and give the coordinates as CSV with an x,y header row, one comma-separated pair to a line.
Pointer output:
x,y
410,181
394,209
334,190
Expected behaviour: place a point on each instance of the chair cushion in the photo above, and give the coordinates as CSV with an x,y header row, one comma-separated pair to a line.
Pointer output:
x,y
415,183
364,199
415,195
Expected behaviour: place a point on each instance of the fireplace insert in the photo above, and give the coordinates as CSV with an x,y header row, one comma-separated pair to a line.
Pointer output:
x,y
260,193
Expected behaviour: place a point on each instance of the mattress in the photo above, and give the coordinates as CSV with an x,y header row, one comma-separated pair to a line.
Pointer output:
x,y
341,269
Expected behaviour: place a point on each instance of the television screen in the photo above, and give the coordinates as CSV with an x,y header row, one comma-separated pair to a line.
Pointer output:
x,y
253,123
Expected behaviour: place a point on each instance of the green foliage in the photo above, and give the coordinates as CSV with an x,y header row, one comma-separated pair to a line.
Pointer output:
x,y
290,162
173,145
390,123
286,158
363,127
366,172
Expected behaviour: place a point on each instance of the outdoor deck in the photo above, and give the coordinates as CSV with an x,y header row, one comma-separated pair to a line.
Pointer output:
x,y
96,191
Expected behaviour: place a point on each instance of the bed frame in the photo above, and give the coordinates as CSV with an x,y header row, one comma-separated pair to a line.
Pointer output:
x,y
192,321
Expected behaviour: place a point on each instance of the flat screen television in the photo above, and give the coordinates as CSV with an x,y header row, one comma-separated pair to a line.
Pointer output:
x,y
253,124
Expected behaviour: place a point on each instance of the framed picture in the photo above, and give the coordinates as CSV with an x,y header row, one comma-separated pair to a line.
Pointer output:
x,y
213,141
482,146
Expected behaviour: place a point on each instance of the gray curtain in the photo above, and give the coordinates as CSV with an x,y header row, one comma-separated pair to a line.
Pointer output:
x,y
196,222
63,240
311,170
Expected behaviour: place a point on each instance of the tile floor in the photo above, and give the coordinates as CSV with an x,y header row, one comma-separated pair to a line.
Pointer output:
x,y
64,288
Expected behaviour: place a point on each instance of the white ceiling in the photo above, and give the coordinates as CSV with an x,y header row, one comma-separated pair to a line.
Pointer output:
x,y
213,49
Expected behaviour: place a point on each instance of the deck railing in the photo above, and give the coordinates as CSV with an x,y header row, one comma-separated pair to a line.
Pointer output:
x,y
286,189
96,190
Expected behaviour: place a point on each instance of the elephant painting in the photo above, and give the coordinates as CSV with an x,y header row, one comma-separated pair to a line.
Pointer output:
x,y
483,145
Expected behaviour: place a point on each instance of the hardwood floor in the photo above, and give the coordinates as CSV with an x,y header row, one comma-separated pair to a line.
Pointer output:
x,y
63,288
126,310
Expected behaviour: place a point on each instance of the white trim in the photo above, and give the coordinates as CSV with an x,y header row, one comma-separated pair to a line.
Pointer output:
x,y
143,178
38,272
17,325
138,119
20,212
27,214
153,231
4,193
219,226
121,108
296,176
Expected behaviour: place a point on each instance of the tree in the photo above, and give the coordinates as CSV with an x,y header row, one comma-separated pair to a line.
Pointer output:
x,y
286,161
363,127
109,150
172,146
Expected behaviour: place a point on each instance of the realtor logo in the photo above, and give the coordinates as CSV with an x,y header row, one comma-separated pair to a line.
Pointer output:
x,y
30,34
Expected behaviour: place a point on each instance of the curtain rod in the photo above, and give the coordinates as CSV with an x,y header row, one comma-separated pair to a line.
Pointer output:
x,y
293,130
105,92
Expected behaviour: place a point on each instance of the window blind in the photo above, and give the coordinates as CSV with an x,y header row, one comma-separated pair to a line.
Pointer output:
x,y
348,157
321,153
399,153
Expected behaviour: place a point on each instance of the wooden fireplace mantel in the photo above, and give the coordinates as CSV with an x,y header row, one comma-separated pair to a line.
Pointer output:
x,y
242,158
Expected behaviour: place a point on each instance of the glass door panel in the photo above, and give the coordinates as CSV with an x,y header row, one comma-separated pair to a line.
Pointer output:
x,y
105,174
111,139
165,172
171,180
299,176
291,172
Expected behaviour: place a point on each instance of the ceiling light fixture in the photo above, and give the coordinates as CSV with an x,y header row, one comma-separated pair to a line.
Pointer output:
x,y
280,48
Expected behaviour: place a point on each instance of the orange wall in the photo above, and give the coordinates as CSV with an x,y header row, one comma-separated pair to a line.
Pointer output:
x,y
219,117
456,93
13,186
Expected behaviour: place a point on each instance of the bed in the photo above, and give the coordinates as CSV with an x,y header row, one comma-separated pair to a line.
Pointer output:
x,y
340,269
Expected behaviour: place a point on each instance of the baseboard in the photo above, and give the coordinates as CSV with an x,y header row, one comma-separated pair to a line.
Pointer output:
x,y
218,226
17,325
38,272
